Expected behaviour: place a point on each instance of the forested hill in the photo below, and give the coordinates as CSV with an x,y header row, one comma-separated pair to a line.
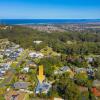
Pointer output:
x,y
64,42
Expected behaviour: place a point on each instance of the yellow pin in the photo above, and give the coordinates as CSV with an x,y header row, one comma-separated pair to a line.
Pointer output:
x,y
41,76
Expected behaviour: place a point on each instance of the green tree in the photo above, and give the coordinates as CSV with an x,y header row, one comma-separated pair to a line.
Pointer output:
x,y
81,79
67,89
97,73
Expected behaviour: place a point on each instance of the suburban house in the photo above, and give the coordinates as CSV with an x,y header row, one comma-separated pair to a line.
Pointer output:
x,y
80,70
7,52
37,42
2,71
90,73
36,55
21,85
64,70
31,64
25,69
43,88
96,88
4,67
16,95
20,50
90,60
4,43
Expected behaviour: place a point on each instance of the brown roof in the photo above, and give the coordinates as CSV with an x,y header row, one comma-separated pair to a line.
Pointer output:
x,y
17,94
83,89
96,92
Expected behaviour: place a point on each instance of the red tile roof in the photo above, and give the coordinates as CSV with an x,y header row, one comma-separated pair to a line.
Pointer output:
x,y
96,92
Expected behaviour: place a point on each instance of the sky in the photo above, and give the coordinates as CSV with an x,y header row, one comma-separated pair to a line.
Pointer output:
x,y
50,9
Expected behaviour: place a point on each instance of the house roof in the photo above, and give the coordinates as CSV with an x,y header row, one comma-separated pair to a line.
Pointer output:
x,y
21,85
15,94
1,74
78,70
96,92
30,63
44,87
83,89
64,68
96,83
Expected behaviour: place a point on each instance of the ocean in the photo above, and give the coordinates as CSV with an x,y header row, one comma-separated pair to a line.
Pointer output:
x,y
46,21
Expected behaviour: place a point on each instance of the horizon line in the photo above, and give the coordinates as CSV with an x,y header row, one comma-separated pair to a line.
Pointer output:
x,y
50,18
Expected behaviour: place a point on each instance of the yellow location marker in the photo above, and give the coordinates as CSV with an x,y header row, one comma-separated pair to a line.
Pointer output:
x,y
41,76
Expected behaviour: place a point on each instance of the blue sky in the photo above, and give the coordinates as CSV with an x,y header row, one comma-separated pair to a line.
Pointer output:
x,y
66,9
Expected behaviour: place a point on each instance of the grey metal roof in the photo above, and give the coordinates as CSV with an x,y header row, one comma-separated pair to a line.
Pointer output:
x,y
64,68
21,85
43,87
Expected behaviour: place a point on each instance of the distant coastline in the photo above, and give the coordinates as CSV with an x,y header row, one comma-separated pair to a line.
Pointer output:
x,y
46,21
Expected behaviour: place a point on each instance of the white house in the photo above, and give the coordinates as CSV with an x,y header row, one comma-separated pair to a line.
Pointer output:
x,y
20,50
90,59
37,42
26,69
36,55
5,66
62,70
2,71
